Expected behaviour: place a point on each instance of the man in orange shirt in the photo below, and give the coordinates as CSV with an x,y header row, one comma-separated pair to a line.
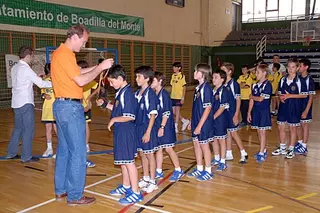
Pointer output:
x,y
67,81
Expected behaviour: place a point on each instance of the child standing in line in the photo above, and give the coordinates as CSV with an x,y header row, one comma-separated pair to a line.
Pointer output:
x,y
47,114
202,123
220,105
306,117
291,91
166,132
277,75
245,82
145,128
234,111
123,116
259,110
178,92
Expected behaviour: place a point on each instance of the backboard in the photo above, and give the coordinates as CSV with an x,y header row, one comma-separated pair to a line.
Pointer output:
x,y
301,29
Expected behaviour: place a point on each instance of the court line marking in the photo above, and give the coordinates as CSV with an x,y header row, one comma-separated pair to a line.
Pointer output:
x,y
117,199
306,196
91,185
260,209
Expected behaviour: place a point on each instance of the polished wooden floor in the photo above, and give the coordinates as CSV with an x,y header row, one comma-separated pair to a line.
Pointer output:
x,y
278,185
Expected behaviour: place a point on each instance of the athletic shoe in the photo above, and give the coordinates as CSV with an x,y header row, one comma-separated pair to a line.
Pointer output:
x,y
159,175
229,157
279,151
300,150
120,190
290,154
194,173
176,176
204,176
143,183
47,153
221,167
131,198
244,159
265,154
215,162
150,187
90,164
260,158
185,124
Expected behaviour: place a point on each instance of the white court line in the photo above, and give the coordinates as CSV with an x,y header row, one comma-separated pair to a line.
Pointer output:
x,y
117,199
91,185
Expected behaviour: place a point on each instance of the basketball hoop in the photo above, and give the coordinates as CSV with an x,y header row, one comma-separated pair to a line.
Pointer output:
x,y
306,41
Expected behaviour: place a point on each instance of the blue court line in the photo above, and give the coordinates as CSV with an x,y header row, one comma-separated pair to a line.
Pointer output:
x,y
98,152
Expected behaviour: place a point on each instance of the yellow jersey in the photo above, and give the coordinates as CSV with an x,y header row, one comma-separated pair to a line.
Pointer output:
x,y
253,77
178,82
276,79
245,92
47,113
87,91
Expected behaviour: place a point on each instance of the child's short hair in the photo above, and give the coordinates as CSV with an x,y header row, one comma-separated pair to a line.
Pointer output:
x,y
245,66
229,66
205,69
146,71
47,69
305,62
277,66
116,71
177,64
222,75
159,76
83,64
263,68
293,60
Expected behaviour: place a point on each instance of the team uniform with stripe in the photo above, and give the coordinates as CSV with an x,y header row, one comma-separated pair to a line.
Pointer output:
x,y
220,124
309,82
233,89
125,145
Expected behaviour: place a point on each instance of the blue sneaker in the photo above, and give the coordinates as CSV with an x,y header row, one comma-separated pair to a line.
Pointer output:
x,y
131,198
159,175
300,150
120,190
176,176
90,164
264,154
260,158
194,173
204,176
222,167
215,162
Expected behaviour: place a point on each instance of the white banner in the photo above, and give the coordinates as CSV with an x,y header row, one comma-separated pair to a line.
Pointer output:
x,y
11,60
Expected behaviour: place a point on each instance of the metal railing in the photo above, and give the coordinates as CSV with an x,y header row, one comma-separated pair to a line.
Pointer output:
x,y
261,47
280,18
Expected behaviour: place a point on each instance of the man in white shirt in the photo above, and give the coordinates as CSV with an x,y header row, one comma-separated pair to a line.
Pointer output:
x,y
276,60
23,78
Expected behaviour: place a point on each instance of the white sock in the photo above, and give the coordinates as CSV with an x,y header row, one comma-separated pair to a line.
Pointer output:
x,y
126,187
243,152
178,169
304,145
208,169
153,181
265,150
184,120
229,152
88,147
283,146
217,157
223,160
176,125
200,168
146,178
291,147
49,144
159,170
300,141
260,153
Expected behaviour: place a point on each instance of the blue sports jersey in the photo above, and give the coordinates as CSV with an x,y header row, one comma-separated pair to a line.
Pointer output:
x,y
220,99
264,90
234,92
147,105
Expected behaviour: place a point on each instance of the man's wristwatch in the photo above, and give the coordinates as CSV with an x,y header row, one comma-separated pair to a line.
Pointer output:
x,y
161,126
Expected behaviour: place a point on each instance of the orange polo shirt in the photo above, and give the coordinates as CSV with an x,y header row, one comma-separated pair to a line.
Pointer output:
x,y
63,69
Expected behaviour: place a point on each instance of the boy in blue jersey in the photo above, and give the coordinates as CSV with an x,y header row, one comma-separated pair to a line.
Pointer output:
x,y
145,129
234,112
166,129
291,90
123,116
259,109
306,117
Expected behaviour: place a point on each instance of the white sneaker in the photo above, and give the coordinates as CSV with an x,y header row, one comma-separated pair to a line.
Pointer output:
x,y
229,157
47,153
54,156
185,124
176,126
143,183
150,188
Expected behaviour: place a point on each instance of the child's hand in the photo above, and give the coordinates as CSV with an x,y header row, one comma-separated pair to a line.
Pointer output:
x,y
47,97
160,132
304,115
182,101
285,96
235,120
99,102
146,138
88,107
189,125
197,130
249,119
111,122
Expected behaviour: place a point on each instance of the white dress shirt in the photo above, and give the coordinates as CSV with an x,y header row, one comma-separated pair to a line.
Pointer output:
x,y
282,69
23,78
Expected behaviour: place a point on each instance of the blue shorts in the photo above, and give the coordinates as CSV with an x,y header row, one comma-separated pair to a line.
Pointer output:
x,y
261,119
231,126
290,116
220,126
176,102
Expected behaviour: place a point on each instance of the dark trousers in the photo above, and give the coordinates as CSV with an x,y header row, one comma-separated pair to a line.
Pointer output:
x,y
244,110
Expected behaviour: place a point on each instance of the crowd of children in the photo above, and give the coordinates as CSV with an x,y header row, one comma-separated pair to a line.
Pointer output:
x,y
150,118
